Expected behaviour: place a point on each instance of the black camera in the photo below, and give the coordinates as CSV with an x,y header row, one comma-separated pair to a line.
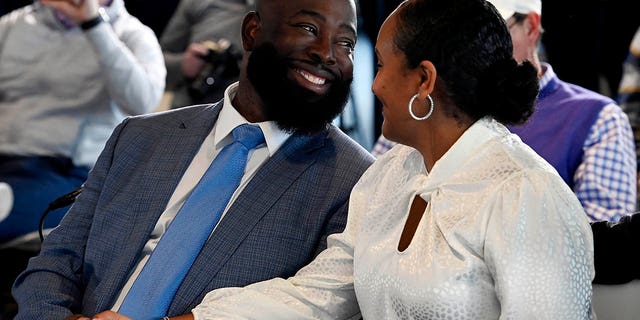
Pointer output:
x,y
222,69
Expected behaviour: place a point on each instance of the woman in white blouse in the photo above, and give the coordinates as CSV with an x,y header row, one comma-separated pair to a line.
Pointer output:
x,y
461,220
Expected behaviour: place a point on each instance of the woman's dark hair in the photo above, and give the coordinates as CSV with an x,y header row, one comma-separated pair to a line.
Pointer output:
x,y
470,46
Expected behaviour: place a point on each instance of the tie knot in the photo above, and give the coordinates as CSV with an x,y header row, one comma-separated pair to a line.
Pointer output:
x,y
250,136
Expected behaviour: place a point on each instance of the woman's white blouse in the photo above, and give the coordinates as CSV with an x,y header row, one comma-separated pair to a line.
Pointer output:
x,y
502,237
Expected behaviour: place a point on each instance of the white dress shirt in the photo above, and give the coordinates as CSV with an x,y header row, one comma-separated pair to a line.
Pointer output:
x,y
219,137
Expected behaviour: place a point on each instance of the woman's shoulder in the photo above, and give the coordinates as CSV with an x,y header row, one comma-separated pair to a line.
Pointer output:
x,y
506,154
394,166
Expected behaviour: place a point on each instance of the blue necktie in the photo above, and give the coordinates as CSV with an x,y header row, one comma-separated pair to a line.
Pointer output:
x,y
153,290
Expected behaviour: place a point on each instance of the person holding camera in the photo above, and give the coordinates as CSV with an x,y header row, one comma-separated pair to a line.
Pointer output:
x,y
202,49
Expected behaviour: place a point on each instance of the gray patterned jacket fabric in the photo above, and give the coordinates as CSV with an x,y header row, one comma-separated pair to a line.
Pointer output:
x,y
276,226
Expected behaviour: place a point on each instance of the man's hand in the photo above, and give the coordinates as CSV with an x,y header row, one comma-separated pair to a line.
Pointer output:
x,y
105,315
77,10
192,60
110,315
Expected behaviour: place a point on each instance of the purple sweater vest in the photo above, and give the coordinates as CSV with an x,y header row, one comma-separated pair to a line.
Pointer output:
x,y
563,116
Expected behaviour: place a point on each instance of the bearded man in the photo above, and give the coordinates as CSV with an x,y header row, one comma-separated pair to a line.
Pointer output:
x,y
294,190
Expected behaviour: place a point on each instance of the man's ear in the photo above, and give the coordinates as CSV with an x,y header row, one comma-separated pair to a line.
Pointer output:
x,y
428,76
250,26
533,27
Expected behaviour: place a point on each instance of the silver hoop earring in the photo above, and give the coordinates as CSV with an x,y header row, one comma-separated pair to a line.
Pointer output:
x,y
411,108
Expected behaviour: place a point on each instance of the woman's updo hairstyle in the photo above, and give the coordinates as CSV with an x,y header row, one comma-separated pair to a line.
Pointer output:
x,y
469,44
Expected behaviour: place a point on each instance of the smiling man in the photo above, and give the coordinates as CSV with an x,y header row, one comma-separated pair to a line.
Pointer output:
x,y
303,77
293,191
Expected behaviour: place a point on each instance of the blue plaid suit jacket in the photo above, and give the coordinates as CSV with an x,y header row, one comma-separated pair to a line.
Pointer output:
x,y
276,226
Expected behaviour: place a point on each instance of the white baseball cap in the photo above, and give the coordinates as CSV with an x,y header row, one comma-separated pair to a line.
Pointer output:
x,y
508,7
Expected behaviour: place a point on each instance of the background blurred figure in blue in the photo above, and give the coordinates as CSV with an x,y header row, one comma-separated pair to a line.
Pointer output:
x,y
70,71
583,134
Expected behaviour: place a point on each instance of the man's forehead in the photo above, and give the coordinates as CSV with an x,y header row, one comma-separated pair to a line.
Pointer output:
x,y
340,11
310,5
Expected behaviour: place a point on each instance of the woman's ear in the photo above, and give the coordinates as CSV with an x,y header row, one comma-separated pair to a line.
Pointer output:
x,y
428,76
250,26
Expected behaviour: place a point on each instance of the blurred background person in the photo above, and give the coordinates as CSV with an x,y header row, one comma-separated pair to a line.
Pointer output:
x,y
70,71
202,49
585,135
629,92
68,74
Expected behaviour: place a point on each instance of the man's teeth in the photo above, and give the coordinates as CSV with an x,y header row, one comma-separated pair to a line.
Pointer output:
x,y
313,79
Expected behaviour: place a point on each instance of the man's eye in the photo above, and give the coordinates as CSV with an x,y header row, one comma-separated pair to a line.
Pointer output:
x,y
309,28
348,44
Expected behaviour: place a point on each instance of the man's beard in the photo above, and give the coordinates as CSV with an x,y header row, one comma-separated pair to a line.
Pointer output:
x,y
293,108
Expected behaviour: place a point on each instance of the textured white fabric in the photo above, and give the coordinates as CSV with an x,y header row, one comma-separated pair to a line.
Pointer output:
x,y
502,238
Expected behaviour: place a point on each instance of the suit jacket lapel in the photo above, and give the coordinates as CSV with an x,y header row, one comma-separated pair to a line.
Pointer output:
x,y
166,166
264,189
